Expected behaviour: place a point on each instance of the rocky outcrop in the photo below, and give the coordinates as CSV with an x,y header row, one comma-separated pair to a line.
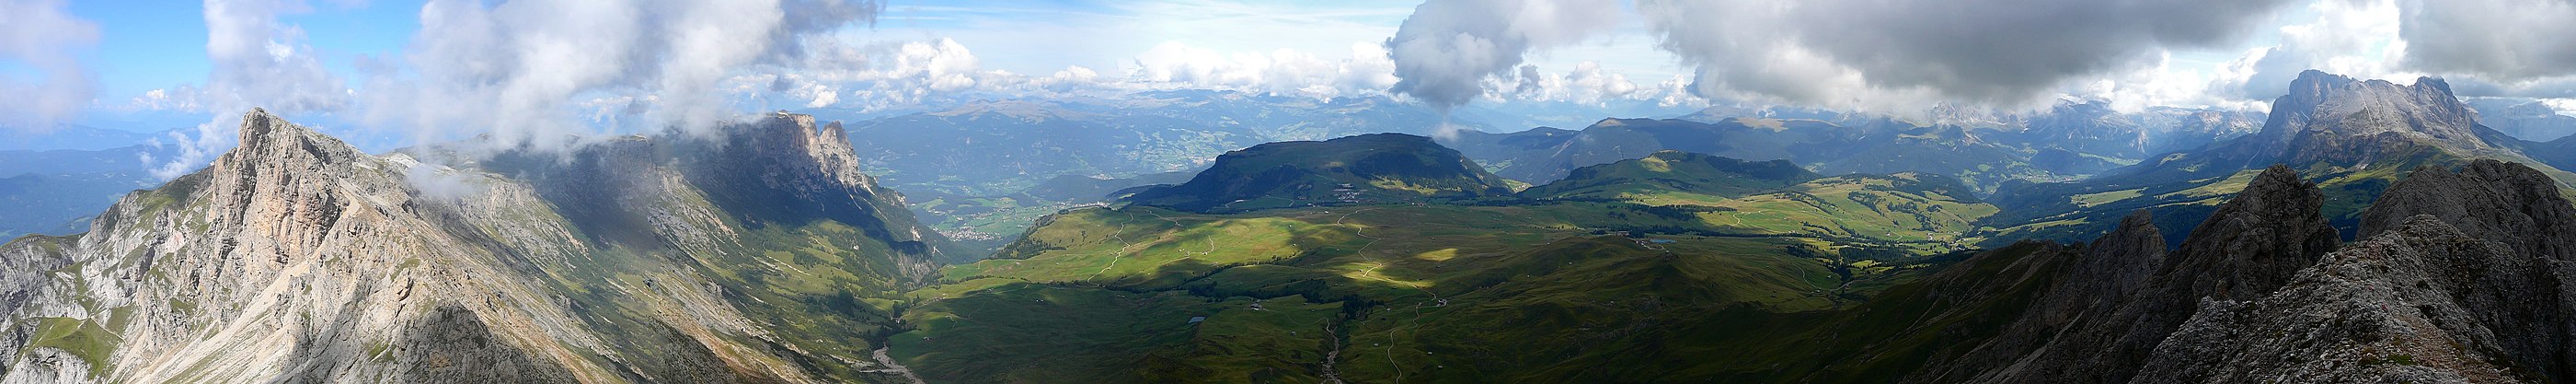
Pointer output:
x,y
2383,310
2465,278
2254,242
2102,317
2094,285
297,258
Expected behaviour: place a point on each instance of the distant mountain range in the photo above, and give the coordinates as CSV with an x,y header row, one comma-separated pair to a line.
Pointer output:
x,y
2366,231
1363,169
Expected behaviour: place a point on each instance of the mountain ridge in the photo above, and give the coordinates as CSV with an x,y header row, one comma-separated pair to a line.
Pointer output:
x,y
343,267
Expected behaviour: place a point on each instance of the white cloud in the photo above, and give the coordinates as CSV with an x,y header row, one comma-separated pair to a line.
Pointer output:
x,y
1281,71
258,63
1446,51
518,70
2349,37
43,36
1586,84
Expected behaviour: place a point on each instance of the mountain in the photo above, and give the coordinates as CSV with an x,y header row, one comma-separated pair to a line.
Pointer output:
x,y
1675,171
2088,333
1777,197
996,148
760,254
2559,153
981,225
2524,119
2353,137
59,204
55,191
970,165
1358,169
2094,129
71,137
1874,146
2460,278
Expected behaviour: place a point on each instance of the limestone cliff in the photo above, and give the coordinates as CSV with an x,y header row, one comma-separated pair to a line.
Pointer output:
x,y
298,258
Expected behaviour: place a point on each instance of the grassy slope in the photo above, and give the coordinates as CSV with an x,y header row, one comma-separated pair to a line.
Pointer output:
x,y
1674,171
1462,292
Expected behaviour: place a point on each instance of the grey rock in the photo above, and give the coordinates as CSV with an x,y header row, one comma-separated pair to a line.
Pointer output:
x,y
297,258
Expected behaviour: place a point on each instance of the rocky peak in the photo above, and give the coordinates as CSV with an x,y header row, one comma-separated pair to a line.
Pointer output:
x,y
2421,303
2327,107
794,139
2119,263
266,138
2494,200
2255,241
2521,292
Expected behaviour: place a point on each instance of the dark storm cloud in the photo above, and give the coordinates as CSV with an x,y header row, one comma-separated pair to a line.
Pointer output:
x,y
2513,40
1863,52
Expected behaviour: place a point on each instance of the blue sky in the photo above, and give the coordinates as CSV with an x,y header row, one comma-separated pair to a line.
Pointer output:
x,y
146,45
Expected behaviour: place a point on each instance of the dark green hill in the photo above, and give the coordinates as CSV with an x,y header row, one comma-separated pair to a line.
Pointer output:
x,y
1866,146
1674,171
1386,167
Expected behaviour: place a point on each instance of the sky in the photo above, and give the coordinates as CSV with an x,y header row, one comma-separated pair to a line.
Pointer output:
x,y
532,71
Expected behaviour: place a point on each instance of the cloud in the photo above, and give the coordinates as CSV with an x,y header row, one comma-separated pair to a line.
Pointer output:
x,y
1444,52
1883,54
2502,40
915,74
1281,71
1586,84
43,36
258,63
2349,37
537,72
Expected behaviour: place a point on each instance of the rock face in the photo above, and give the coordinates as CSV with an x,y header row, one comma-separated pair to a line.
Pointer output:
x,y
2465,278
2250,246
297,258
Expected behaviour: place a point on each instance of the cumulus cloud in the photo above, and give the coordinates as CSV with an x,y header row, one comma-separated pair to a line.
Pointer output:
x,y
1447,49
1587,83
2349,37
898,75
258,63
43,36
1282,71
1879,54
537,72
